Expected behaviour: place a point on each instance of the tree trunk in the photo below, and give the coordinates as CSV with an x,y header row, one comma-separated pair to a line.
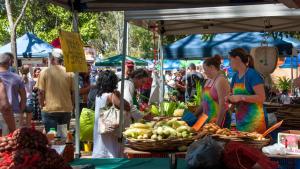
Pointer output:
x,y
13,42
13,27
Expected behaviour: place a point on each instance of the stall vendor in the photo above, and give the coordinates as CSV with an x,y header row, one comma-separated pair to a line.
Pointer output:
x,y
214,92
248,93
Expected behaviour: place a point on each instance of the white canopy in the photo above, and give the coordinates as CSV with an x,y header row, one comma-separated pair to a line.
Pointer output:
x,y
113,5
245,18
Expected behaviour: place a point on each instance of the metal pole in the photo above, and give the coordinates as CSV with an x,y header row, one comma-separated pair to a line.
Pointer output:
x,y
162,84
186,81
76,81
125,52
292,73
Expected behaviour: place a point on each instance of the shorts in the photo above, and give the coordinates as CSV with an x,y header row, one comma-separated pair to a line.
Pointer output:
x,y
29,106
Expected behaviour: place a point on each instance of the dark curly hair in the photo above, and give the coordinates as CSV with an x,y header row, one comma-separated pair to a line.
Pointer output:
x,y
106,83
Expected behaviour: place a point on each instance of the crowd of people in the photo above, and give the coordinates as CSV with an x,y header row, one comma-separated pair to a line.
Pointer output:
x,y
51,92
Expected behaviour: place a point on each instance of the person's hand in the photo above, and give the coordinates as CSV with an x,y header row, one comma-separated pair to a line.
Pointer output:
x,y
234,98
148,117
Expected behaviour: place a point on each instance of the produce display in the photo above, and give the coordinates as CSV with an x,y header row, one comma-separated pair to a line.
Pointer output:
x,y
214,129
168,109
164,135
28,148
165,129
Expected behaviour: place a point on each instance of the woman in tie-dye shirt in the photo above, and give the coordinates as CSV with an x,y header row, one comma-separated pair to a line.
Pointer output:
x,y
248,94
214,92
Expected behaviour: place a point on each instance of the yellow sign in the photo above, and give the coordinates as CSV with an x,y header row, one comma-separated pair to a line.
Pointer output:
x,y
72,47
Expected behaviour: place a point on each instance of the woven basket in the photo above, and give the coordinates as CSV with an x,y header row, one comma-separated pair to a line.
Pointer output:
x,y
192,109
259,144
158,145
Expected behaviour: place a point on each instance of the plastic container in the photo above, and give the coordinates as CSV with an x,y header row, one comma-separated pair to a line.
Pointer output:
x,y
51,135
62,131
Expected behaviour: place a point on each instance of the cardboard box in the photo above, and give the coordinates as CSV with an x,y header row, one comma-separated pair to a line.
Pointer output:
x,y
290,139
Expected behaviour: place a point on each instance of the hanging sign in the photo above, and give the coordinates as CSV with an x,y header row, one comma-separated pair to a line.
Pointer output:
x,y
72,47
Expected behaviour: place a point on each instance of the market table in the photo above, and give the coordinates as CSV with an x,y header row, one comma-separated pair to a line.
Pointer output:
x,y
125,163
172,156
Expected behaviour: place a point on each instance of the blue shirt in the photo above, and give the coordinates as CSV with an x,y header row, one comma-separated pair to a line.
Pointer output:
x,y
253,78
13,83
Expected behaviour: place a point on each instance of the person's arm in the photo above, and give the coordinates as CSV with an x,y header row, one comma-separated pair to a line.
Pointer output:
x,y
41,97
84,90
199,111
22,94
258,97
115,99
6,109
41,89
223,90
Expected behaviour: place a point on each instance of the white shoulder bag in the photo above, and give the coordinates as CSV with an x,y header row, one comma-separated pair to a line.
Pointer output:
x,y
109,119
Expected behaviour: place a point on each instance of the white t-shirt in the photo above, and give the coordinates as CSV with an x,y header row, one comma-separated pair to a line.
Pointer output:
x,y
29,87
129,91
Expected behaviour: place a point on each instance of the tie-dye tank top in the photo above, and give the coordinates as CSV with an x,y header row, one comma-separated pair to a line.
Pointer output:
x,y
249,116
210,102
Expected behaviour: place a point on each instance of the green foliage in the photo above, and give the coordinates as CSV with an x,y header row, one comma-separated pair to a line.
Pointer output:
x,y
198,95
284,84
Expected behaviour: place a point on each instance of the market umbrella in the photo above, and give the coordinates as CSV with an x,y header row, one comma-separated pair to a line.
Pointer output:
x,y
117,61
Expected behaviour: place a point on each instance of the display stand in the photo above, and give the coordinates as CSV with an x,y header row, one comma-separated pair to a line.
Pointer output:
x,y
173,156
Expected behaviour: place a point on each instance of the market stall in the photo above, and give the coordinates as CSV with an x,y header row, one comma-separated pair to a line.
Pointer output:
x,y
272,17
267,18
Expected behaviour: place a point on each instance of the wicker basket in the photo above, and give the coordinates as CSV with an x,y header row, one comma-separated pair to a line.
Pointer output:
x,y
158,145
192,109
259,144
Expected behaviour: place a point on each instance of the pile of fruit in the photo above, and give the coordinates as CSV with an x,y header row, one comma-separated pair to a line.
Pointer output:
x,y
165,129
214,129
28,148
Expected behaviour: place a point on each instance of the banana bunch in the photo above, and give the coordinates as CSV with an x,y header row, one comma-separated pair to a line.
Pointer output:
x,y
165,129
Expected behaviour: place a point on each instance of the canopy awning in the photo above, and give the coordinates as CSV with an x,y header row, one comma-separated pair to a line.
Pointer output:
x,y
117,61
245,18
193,47
125,5
29,46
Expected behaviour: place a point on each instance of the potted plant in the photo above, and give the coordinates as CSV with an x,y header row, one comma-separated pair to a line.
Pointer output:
x,y
284,84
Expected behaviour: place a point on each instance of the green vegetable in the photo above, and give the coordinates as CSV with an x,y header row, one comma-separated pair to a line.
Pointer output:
x,y
154,110
181,105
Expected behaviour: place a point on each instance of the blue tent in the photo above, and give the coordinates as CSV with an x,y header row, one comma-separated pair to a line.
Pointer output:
x,y
29,45
289,62
193,47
